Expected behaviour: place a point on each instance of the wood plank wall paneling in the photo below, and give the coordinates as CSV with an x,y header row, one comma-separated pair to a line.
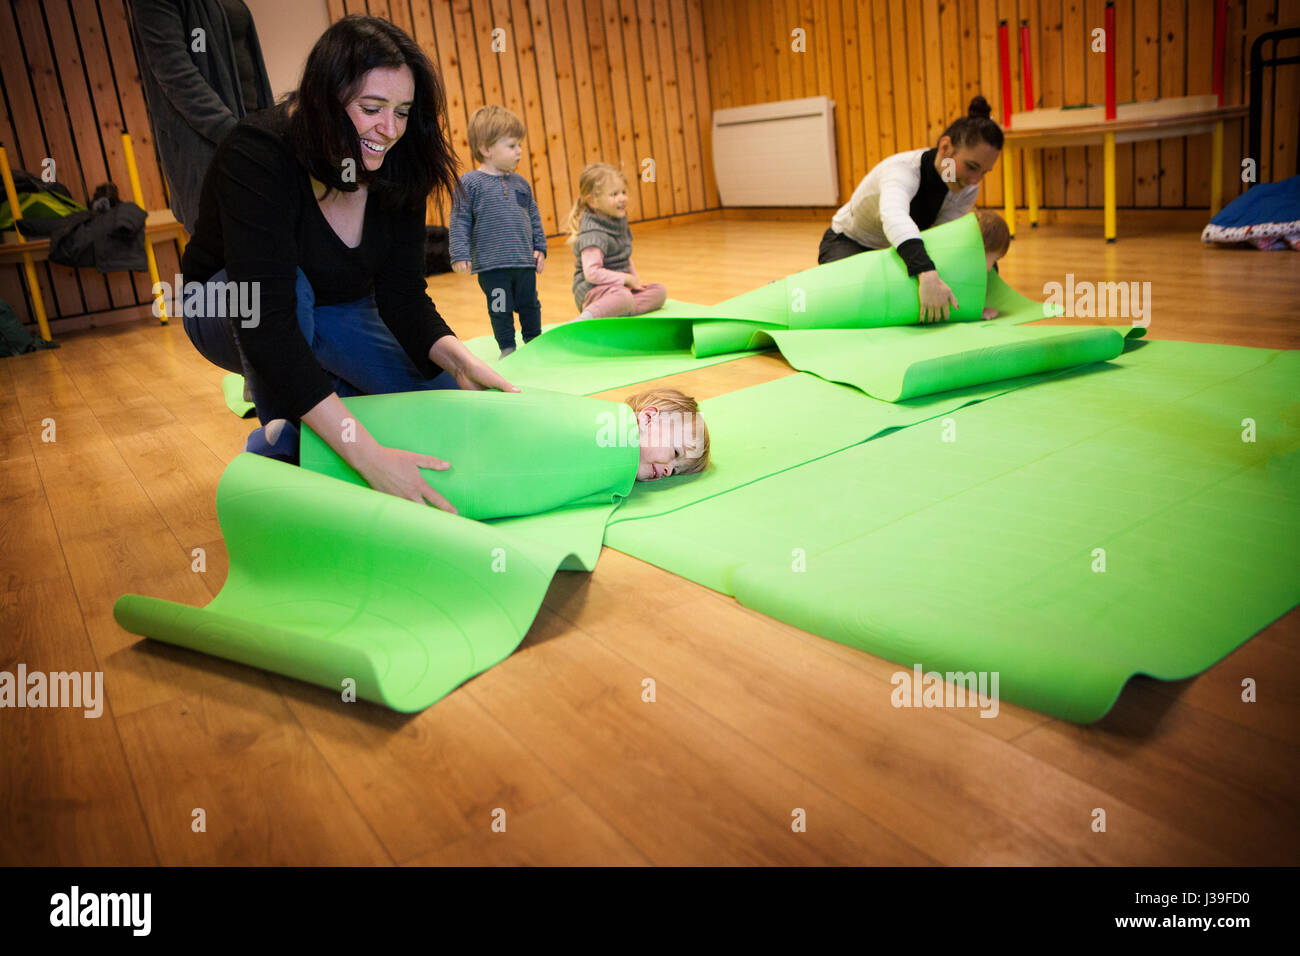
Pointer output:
x,y
899,70
70,85
628,80
618,81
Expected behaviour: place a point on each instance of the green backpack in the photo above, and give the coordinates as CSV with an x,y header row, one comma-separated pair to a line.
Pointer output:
x,y
37,200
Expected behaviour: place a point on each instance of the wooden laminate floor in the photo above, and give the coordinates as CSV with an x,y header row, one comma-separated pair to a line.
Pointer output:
x,y
754,718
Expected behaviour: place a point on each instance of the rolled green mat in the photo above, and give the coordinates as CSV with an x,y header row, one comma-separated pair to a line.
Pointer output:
x,y
511,453
232,390
711,337
906,361
871,289
332,582
890,363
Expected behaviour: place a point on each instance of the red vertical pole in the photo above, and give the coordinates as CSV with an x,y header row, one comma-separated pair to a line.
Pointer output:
x,y
1026,68
1220,43
1111,39
1004,60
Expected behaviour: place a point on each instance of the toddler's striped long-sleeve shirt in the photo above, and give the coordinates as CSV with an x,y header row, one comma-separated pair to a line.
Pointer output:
x,y
497,226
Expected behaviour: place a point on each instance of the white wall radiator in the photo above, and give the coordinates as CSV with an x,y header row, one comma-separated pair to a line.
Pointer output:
x,y
776,154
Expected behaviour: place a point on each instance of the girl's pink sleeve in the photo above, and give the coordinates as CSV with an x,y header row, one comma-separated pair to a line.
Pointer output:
x,y
593,268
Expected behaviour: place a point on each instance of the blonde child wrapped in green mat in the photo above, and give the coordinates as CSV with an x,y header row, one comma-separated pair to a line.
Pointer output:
x,y
674,439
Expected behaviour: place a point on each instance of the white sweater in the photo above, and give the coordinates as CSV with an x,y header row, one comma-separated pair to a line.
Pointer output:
x,y
878,214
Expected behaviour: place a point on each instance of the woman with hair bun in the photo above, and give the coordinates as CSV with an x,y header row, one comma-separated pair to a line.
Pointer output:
x,y
314,211
908,192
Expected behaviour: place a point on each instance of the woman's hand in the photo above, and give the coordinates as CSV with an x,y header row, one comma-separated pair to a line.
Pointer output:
x,y
478,375
397,472
936,297
632,282
390,470
470,371
540,259
462,265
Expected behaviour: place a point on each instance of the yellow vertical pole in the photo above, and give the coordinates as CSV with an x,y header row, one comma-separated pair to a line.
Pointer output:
x,y
1031,188
29,267
1216,169
137,196
1108,174
1009,188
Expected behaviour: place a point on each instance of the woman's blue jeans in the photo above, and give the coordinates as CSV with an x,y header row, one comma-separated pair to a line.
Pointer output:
x,y
350,341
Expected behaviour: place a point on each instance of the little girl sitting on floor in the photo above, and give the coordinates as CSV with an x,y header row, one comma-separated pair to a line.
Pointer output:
x,y
605,282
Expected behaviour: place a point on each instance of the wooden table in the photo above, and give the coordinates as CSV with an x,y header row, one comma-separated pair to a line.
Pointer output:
x,y
1134,122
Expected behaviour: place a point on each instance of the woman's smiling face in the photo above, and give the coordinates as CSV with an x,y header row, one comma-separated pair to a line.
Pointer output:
x,y
380,110
966,165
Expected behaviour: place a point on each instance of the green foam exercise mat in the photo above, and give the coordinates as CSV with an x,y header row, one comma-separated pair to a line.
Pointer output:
x,y
330,581
765,429
868,290
1140,516
534,468
593,355
911,360
852,321
871,289
232,390
511,453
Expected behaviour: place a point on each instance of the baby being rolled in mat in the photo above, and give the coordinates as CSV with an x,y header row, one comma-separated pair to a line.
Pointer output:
x,y
674,438
997,240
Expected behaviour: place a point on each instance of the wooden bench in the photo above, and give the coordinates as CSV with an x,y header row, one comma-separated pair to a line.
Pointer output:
x,y
159,226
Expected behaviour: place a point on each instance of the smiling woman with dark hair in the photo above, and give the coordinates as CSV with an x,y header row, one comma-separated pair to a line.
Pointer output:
x,y
315,209
330,91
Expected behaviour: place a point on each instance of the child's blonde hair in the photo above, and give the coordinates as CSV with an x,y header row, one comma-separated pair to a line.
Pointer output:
x,y
489,124
997,237
592,178
682,412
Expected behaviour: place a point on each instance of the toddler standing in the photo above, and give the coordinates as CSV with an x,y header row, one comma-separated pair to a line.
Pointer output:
x,y
496,230
605,283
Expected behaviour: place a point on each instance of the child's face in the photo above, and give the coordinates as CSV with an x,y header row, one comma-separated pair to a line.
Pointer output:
x,y
610,199
665,445
990,259
504,154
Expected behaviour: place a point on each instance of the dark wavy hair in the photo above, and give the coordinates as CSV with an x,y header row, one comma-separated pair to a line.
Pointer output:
x,y
975,126
323,136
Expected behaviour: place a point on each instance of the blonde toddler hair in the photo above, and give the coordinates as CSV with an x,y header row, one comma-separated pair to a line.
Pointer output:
x,y
682,412
591,180
489,124
997,237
